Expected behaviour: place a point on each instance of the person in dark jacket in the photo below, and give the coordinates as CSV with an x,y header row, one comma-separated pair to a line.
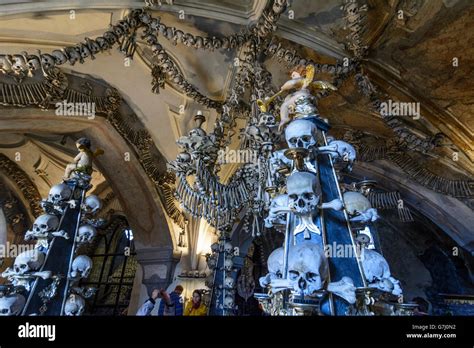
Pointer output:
x,y
172,305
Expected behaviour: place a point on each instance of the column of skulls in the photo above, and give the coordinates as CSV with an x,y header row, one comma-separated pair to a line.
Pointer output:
x,y
299,281
82,264
29,265
222,278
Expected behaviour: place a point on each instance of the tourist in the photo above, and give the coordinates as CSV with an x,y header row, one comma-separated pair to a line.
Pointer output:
x,y
196,307
172,304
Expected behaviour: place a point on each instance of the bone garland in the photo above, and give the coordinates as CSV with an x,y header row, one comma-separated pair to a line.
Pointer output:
x,y
167,65
384,200
23,182
250,73
159,78
413,141
24,94
266,24
394,151
356,19
404,214
455,188
144,143
276,49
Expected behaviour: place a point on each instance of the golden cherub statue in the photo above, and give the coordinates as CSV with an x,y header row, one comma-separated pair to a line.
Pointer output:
x,y
83,160
302,84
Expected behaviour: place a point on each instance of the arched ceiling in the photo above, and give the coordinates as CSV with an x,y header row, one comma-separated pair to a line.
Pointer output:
x,y
410,59
405,56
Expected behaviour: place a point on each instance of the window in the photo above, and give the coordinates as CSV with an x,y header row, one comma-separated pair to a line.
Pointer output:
x,y
114,269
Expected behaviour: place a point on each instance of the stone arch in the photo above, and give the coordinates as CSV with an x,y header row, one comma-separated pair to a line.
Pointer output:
x,y
135,192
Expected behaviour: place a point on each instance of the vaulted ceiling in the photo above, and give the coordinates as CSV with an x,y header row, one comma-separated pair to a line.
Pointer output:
x,y
424,55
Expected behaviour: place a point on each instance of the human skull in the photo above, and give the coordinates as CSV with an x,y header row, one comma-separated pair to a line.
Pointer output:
x,y
81,267
74,305
212,262
92,204
11,304
276,214
5,63
228,247
275,267
84,51
103,44
124,25
45,223
301,133
228,264
30,260
59,193
340,151
215,247
47,61
304,192
111,37
33,63
307,268
19,63
93,46
355,202
229,282
156,48
229,302
199,42
59,56
85,234
197,132
144,17
267,119
374,265
275,262
188,40
73,54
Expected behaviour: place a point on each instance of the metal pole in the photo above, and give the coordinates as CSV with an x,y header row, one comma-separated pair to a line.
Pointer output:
x,y
66,287
286,246
361,271
32,290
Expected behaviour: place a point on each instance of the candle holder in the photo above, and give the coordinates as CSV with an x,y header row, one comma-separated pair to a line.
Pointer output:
x,y
297,155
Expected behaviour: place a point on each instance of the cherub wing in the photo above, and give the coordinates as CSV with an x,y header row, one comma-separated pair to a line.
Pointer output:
x,y
262,105
309,75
